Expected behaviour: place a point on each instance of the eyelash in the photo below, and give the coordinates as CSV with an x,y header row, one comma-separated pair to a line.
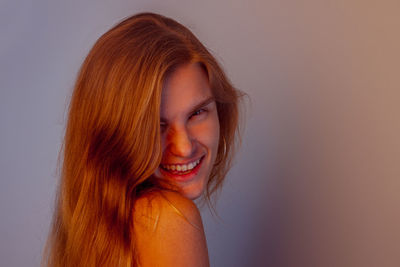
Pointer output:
x,y
198,112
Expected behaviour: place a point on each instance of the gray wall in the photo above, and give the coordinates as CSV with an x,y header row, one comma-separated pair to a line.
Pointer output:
x,y
316,182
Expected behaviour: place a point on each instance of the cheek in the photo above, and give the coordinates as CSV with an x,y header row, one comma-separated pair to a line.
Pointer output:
x,y
163,144
207,133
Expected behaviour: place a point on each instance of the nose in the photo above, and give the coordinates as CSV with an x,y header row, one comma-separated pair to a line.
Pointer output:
x,y
180,143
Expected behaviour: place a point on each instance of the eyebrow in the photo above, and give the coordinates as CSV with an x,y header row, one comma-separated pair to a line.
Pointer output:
x,y
202,104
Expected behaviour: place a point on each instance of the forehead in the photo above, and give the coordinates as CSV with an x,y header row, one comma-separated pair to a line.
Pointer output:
x,y
183,89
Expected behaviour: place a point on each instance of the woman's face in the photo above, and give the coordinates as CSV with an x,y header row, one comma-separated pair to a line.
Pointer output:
x,y
189,130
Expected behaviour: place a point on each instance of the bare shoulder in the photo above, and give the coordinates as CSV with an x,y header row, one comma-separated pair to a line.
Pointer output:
x,y
168,231
169,206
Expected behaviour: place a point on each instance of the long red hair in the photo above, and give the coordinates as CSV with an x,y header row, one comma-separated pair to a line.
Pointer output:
x,y
112,140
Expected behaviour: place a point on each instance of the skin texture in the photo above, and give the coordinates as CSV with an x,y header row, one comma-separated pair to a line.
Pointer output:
x,y
169,231
189,129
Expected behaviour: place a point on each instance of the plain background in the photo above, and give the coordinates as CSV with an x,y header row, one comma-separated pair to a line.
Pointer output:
x,y
317,180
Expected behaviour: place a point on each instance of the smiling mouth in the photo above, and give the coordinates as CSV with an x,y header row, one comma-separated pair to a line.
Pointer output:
x,y
181,169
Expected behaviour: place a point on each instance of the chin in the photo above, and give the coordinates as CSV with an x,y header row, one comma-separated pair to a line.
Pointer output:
x,y
192,193
193,189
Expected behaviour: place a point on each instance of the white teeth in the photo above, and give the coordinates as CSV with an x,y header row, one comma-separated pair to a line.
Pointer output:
x,y
181,167
190,166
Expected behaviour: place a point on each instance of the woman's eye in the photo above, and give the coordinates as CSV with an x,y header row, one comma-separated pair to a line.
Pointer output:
x,y
197,112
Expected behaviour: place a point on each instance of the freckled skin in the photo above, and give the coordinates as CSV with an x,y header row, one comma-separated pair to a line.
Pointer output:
x,y
189,132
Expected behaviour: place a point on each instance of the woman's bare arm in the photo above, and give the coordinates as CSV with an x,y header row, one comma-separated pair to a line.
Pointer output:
x,y
169,231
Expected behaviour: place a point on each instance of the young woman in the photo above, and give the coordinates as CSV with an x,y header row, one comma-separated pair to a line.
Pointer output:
x,y
151,127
